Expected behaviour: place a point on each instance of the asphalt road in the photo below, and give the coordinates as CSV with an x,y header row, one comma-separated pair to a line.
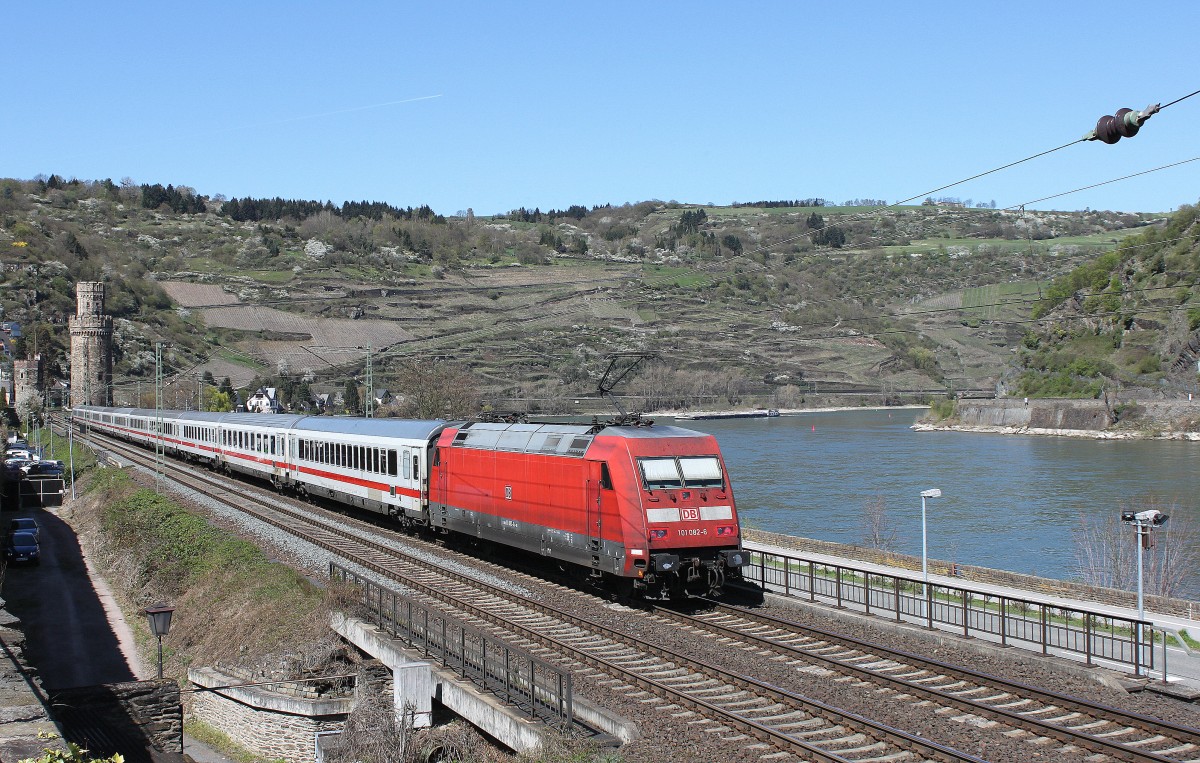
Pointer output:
x,y
68,636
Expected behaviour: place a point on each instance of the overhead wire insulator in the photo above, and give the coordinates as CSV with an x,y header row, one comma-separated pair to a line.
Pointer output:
x,y
1124,124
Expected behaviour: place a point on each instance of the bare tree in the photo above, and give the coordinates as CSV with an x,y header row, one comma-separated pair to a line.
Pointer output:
x,y
374,733
435,389
878,531
1106,550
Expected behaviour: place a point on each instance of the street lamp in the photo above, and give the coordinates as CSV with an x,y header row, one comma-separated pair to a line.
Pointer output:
x,y
931,493
1143,522
160,625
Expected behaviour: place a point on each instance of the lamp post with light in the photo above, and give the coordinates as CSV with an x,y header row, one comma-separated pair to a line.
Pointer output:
x,y
931,493
1143,522
160,625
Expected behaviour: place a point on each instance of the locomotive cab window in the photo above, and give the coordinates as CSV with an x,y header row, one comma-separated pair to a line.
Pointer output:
x,y
605,476
660,473
704,471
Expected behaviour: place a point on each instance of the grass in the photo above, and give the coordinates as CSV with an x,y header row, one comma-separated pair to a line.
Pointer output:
x,y
686,277
269,276
989,302
221,742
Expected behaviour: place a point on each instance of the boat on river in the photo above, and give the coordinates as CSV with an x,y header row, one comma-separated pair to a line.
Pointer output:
x,y
761,413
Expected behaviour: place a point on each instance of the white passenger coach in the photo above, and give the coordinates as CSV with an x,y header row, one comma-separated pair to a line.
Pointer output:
x,y
378,464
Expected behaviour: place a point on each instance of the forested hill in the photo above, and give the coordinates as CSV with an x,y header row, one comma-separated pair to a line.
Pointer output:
x,y
1127,318
773,303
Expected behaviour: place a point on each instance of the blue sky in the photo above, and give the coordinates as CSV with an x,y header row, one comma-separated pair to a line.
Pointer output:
x,y
493,106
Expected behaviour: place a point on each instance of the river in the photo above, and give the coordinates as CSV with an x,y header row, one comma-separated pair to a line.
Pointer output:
x,y
1008,502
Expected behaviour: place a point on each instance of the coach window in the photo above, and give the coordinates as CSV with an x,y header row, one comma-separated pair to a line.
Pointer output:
x,y
407,471
392,465
416,467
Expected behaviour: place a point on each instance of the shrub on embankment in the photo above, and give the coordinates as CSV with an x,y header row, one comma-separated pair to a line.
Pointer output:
x,y
233,605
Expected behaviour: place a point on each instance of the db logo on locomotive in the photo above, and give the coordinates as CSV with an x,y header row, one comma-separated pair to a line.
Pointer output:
x,y
690,514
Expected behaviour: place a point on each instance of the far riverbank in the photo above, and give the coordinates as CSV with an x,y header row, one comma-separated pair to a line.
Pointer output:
x,y
1089,419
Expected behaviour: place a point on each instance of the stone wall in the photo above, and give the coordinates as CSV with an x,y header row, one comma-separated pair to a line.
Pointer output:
x,y
23,713
1030,583
131,710
271,725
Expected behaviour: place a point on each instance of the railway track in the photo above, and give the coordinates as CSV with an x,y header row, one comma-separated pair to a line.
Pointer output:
x,y
734,706
1098,728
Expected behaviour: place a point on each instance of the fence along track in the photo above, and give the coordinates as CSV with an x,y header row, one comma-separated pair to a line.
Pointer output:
x,y
773,716
1098,728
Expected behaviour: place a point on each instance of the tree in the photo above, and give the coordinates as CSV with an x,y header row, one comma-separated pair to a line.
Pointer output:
x,y
878,531
226,387
214,400
1106,550
436,389
353,403
29,409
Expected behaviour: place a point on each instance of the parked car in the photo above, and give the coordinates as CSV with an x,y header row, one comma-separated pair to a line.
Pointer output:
x,y
15,466
43,469
22,547
25,453
25,525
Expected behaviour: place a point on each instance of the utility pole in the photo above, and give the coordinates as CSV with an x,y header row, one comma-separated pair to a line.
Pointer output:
x,y
369,402
159,450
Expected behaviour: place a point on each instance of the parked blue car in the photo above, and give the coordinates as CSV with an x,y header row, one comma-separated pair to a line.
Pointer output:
x,y
22,547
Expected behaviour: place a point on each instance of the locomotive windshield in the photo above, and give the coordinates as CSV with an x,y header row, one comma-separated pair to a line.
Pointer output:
x,y
704,471
688,471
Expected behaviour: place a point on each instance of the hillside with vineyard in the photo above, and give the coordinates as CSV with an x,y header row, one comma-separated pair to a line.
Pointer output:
x,y
776,304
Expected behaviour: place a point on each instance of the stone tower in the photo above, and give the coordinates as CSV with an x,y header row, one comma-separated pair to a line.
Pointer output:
x,y
28,376
91,347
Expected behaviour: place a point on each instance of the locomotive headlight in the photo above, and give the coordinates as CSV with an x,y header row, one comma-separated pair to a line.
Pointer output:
x,y
726,530
658,534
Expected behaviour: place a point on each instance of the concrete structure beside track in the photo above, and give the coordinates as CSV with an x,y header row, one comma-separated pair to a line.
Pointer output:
x,y
416,682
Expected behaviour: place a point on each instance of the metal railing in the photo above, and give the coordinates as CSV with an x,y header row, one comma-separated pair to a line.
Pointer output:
x,y
1010,620
536,687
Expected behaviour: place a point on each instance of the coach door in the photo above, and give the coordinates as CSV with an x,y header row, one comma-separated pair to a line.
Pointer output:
x,y
593,518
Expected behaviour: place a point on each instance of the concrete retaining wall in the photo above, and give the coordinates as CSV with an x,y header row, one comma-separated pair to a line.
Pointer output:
x,y
1115,414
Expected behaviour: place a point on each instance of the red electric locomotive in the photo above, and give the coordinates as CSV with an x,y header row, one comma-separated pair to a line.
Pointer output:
x,y
650,507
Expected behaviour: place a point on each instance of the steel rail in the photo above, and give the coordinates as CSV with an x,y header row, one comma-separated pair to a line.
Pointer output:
x,y
1174,733
380,558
